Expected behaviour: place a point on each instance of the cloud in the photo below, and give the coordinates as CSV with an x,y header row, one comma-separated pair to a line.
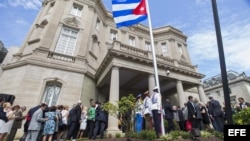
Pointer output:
x,y
203,45
2,5
235,37
236,46
27,4
22,21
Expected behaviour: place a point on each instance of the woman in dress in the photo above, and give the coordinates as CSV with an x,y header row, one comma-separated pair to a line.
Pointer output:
x,y
205,117
8,125
138,111
49,126
83,122
64,117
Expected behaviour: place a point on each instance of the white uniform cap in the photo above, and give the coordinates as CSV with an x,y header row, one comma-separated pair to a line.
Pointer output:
x,y
155,88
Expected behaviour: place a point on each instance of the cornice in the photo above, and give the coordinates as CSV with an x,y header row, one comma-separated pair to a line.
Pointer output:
x,y
46,64
230,82
126,56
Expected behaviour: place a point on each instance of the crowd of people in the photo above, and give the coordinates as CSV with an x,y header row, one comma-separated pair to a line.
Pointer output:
x,y
53,123
56,123
193,115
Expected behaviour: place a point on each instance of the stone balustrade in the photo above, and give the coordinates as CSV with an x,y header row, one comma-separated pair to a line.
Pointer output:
x,y
61,57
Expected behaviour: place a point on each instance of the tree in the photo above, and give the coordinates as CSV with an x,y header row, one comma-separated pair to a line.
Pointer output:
x,y
122,110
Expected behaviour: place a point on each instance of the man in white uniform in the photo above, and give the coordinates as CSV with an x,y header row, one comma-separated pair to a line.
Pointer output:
x,y
156,111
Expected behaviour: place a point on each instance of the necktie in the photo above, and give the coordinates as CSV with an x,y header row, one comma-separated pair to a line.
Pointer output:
x,y
193,106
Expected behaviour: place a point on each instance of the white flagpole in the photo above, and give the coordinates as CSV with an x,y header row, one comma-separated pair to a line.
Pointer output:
x,y
155,64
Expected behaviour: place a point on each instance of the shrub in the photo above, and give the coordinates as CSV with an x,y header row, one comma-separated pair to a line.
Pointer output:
x,y
147,135
242,117
206,134
110,135
167,137
218,134
117,135
133,135
184,134
175,134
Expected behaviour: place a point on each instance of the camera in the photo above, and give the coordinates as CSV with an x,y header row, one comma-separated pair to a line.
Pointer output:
x,y
168,72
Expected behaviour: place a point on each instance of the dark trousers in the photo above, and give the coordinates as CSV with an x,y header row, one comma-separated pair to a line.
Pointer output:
x,y
99,128
157,122
194,122
26,126
72,130
219,124
170,125
91,125
182,125
12,134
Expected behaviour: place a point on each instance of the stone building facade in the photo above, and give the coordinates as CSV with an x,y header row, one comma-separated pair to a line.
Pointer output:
x,y
238,83
74,51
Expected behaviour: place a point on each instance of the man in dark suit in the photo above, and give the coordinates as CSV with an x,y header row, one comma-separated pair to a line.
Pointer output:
x,y
216,114
74,120
101,119
242,104
169,115
192,113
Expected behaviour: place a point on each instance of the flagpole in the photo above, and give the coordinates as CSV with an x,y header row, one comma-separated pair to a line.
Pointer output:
x,y
155,64
222,64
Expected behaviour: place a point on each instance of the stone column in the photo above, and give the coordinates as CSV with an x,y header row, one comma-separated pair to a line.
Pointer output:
x,y
151,83
180,93
201,93
113,98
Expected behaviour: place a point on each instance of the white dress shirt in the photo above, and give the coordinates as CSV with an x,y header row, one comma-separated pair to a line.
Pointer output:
x,y
156,101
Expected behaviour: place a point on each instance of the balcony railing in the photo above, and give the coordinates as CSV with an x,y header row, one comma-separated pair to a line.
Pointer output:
x,y
164,59
61,57
133,50
148,55
185,65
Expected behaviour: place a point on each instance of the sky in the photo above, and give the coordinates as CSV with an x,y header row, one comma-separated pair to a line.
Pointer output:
x,y
193,17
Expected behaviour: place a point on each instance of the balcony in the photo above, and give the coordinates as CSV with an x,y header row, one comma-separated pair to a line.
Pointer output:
x,y
147,55
61,57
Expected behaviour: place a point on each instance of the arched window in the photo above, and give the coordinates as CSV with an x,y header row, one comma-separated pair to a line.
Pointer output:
x,y
51,93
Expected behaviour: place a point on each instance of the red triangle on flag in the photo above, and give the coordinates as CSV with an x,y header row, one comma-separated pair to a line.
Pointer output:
x,y
141,8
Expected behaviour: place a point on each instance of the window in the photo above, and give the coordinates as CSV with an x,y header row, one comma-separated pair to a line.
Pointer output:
x,y
164,48
76,10
131,40
180,48
51,93
97,26
113,34
148,46
67,41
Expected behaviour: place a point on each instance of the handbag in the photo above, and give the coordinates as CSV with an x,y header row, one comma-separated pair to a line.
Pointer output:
x,y
196,132
60,122
188,125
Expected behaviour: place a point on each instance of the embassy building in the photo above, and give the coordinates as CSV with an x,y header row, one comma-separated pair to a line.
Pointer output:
x,y
74,51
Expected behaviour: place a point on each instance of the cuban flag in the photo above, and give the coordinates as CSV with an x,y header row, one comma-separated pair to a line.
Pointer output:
x,y
128,12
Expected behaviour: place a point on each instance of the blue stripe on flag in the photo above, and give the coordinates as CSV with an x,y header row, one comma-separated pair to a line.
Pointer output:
x,y
131,22
125,1
122,13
